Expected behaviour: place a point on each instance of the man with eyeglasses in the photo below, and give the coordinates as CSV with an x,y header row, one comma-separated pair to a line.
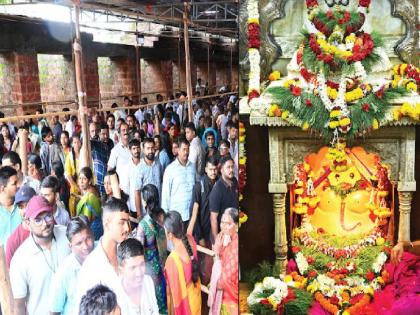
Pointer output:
x,y
37,259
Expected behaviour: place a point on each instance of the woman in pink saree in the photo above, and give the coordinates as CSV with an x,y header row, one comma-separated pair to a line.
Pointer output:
x,y
223,297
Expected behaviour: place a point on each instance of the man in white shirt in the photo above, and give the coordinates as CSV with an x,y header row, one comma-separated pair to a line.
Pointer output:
x,y
197,154
101,266
120,158
137,291
64,283
49,190
37,259
135,149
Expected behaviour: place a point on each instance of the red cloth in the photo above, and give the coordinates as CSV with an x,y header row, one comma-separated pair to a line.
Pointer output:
x,y
14,241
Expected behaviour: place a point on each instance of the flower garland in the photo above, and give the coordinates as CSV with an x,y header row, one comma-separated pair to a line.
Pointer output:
x,y
242,170
253,49
273,295
346,252
408,110
406,75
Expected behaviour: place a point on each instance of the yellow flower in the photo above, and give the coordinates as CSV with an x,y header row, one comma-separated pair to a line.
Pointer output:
x,y
346,313
272,302
299,191
345,122
395,69
284,114
333,124
411,87
306,167
253,20
335,113
405,108
402,68
305,126
380,241
375,124
243,218
288,83
332,93
354,95
242,161
369,290
274,76
288,278
241,139
396,113
314,201
381,280
351,38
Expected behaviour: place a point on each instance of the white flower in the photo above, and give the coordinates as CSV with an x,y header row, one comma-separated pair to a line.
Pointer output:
x,y
254,71
301,262
253,9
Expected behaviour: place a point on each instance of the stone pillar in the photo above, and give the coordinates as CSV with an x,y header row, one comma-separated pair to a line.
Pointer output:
x,y
405,198
90,67
26,86
280,235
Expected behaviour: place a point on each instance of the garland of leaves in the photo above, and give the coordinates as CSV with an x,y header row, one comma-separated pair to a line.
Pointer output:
x,y
316,115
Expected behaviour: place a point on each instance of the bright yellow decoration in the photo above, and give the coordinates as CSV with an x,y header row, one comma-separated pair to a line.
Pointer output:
x,y
290,82
253,21
354,95
346,313
305,126
306,167
350,176
243,218
335,113
333,124
375,124
274,76
396,114
273,303
345,121
380,241
288,278
332,93
299,191
313,202
411,87
285,114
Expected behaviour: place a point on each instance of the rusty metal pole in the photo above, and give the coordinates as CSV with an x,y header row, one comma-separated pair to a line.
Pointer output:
x,y
81,87
187,63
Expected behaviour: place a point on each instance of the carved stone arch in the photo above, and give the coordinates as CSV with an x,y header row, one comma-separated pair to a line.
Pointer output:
x,y
270,50
407,47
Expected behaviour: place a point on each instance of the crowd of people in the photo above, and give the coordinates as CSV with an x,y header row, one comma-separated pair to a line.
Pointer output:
x,y
116,231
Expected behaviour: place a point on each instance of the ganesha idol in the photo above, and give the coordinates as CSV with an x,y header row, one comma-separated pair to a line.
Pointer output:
x,y
342,191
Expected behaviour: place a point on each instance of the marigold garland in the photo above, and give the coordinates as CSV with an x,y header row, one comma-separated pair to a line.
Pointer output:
x,y
242,170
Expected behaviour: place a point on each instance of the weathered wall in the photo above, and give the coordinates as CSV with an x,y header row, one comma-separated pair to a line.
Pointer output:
x,y
56,79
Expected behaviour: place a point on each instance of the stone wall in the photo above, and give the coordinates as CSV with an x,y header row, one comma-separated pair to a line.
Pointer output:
x,y
56,79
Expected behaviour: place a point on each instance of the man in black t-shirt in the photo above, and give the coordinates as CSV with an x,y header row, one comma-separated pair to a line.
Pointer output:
x,y
225,194
200,226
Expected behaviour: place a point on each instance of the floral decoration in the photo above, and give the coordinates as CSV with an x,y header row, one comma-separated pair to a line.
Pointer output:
x,y
253,50
242,170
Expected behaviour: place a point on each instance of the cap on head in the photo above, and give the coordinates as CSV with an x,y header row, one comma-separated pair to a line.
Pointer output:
x,y
24,194
37,205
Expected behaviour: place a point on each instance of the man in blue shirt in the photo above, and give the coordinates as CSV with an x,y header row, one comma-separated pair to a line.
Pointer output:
x,y
178,182
9,212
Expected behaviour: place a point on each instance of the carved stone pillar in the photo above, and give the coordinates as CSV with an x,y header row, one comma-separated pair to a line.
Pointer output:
x,y
280,235
405,198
